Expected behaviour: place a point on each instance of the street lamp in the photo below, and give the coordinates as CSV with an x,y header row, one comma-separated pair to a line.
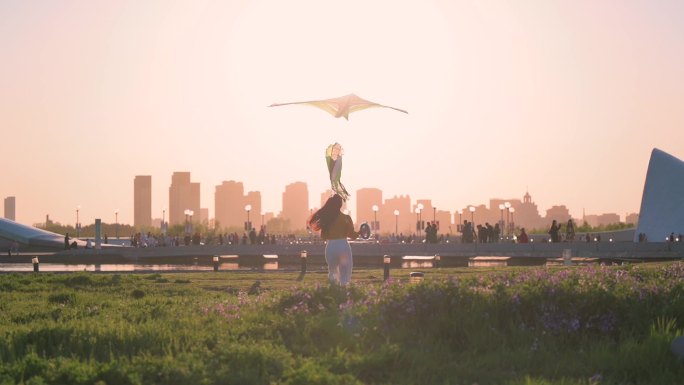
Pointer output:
x,y
116,221
507,205
163,224
502,224
419,210
512,224
78,225
472,214
191,212
248,226
375,218
396,222
188,214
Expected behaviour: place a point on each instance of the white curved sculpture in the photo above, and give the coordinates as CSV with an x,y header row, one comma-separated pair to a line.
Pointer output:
x,y
662,204
11,232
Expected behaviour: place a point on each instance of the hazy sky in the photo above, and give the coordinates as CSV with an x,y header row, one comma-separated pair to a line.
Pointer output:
x,y
564,98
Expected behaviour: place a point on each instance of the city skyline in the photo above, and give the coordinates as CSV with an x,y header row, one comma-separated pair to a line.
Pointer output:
x,y
230,201
562,99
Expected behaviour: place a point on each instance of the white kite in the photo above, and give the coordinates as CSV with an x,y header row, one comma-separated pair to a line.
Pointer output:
x,y
342,106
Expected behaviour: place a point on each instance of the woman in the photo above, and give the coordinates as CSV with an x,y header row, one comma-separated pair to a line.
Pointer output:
x,y
554,231
335,228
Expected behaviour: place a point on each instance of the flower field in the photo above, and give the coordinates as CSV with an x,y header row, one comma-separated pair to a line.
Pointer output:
x,y
565,325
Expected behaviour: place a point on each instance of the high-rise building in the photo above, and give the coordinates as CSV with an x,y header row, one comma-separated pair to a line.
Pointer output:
x,y
253,199
366,198
10,208
296,205
229,204
142,201
183,195
403,222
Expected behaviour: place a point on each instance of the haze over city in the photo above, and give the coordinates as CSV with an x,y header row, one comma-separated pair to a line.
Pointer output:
x,y
563,99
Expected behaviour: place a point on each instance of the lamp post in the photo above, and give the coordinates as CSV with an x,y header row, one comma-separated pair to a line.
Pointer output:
x,y
375,218
512,224
396,222
163,224
116,221
502,224
248,226
187,219
472,214
434,214
507,205
78,225
419,213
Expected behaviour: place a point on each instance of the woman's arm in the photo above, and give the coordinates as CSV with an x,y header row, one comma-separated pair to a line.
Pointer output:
x,y
351,233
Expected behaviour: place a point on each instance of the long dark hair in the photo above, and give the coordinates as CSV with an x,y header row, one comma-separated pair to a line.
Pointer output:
x,y
322,218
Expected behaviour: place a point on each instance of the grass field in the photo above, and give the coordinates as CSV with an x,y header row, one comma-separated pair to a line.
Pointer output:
x,y
565,325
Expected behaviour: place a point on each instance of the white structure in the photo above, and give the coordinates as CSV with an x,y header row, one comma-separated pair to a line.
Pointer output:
x,y
662,204
27,236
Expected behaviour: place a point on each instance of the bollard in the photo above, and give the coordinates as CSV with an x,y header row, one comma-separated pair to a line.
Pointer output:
x,y
386,263
216,262
416,277
567,257
302,256
36,267
438,259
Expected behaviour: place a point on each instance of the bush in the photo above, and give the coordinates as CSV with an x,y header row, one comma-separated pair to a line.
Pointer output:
x,y
62,298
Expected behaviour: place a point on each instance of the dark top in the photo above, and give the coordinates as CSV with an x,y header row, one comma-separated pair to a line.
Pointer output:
x,y
342,227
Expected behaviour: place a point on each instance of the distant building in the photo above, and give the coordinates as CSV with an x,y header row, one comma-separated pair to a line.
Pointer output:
x,y
366,198
204,216
183,195
527,214
296,205
10,208
632,219
601,220
560,213
142,201
230,202
253,198
402,223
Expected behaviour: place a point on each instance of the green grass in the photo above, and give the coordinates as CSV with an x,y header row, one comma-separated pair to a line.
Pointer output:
x,y
586,325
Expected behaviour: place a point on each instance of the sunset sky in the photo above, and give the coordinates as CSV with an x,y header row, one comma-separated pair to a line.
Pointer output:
x,y
565,99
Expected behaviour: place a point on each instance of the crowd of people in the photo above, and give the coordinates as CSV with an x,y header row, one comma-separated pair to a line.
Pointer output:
x,y
470,233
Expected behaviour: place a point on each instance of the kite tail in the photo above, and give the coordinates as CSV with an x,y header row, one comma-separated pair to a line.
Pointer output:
x,y
339,189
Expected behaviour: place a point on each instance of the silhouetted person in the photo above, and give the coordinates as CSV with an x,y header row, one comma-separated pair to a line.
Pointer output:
x,y
490,232
252,236
66,241
523,238
497,233
554,231
570,231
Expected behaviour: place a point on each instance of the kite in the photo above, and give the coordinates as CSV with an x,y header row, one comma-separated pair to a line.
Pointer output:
x,y
333,157
342,106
